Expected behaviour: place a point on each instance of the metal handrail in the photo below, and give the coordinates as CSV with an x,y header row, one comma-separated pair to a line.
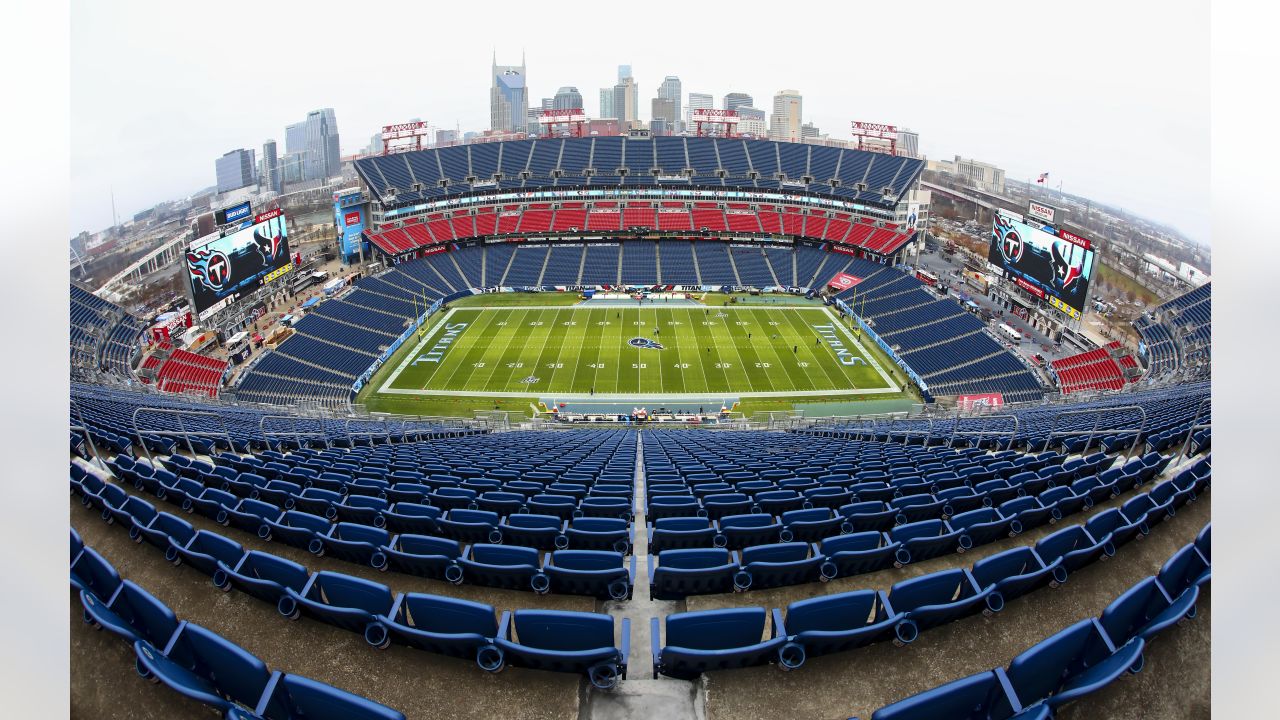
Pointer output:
x,y
371,434
1093,432
982,433
83,427
182,432
1195,425
296,434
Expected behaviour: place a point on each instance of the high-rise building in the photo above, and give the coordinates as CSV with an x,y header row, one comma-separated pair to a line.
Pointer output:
x,y
751,121
295,137
235,170
625,99
270,167
322,160
508,97
670,89
292,167
664,117
735,100
784,122
908,143
547,104
567,98
606,103
809,130
624,72
375,145
697,101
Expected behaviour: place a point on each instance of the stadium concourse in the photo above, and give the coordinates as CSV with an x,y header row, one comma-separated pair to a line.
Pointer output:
x,y
1052,565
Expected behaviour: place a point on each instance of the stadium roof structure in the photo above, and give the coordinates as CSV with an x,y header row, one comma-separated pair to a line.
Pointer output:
x,y
874,179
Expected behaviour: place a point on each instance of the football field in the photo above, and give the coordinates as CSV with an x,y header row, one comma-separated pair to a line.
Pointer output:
x,y
636,352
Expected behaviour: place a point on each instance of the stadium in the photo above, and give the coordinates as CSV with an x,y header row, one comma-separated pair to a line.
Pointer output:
x,y
638,426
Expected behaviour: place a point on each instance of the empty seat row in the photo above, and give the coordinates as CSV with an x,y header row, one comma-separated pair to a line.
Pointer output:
x,y
697,642
678,573
198,663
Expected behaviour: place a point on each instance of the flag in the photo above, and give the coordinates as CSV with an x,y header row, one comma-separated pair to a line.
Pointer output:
x,y
1042,178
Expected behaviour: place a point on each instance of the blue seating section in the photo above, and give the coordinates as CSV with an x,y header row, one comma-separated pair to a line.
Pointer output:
x,y
1081,659
1178,335
103,336
544,158
201,665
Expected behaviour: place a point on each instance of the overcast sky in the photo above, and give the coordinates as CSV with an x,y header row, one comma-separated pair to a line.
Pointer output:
x,y
1110,98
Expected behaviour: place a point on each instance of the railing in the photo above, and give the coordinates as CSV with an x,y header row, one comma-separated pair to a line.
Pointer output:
x,y
1195,425
982,433
297,434
182,430
1093,432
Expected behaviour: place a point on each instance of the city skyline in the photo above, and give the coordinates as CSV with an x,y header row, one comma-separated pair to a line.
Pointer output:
x,y
1160,173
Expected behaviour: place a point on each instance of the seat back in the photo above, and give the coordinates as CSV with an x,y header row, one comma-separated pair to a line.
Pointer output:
x,y
776,553
504,555
586,560
236,673
693,559
562,630
340,590
841,611
434,613
427,545
716,629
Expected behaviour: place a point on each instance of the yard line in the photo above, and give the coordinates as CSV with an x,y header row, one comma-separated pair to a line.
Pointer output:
x,y
492,355
742,363
427,337
688,321
522,368
823,360
888,383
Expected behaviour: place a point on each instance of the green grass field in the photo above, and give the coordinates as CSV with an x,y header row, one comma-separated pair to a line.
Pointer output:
x,y
542,351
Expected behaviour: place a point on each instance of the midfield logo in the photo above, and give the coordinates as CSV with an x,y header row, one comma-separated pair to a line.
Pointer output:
x,y
644,343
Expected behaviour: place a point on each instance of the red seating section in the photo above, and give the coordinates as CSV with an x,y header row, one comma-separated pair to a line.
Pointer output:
x,y
606,216
1106,368
183,371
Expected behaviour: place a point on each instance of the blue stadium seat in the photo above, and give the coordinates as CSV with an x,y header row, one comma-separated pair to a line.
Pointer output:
x,y
1111,526
1013,573
544,532
924,540
560,641
1027,511
870,515
162,528
1072,663
295,528
935,599
1185,569
834,623
856,553
983,526
132,613
412,518
812,525
587,533
699,571
678,533
351,542
204,551
90,571
738,531
425,556
600,573
1145,609
296,697
344,601
712,640
778,564
982,696
263,576
504,566
1074,547
205,667
471,526
443,625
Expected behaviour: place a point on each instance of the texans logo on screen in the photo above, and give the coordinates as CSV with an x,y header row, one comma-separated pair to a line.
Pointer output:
x,y
268,247
212,269
1065,273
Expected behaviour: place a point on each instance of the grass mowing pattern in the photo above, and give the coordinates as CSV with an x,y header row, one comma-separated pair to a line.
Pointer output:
x,y
575,350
